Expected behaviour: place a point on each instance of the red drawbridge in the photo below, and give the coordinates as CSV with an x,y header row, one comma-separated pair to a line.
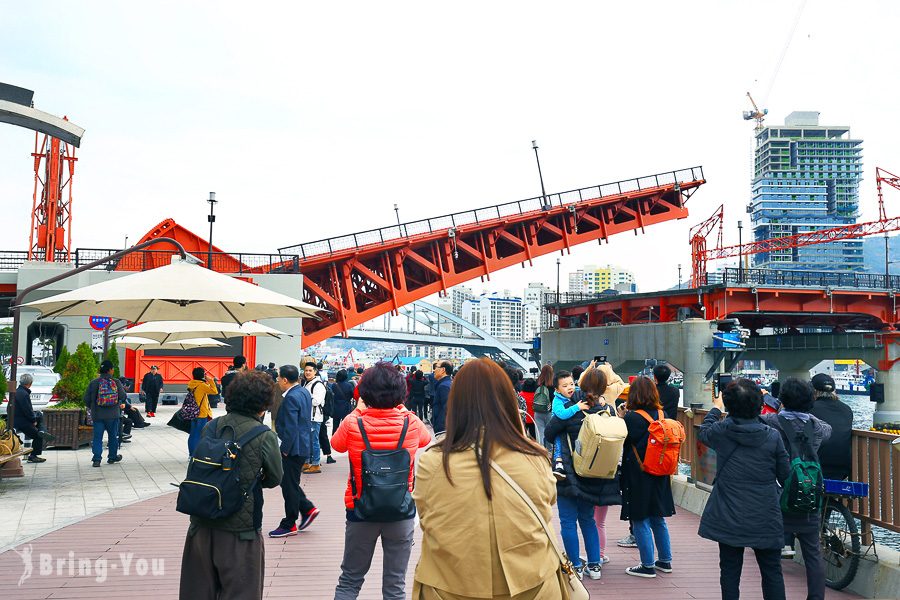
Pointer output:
x,y
361,276
364,275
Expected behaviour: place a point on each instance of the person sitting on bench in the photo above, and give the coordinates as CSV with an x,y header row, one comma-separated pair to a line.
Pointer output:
x,y
29,422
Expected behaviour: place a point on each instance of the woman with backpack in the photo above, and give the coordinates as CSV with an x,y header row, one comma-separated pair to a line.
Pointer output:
x,y
743,510
379,432
802,434
196,403
543,401
646,498
578,496
480,538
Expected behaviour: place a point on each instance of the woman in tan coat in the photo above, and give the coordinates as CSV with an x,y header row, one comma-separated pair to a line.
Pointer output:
x,y
480,539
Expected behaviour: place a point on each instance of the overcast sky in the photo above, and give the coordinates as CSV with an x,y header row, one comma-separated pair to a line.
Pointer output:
x,y
311,121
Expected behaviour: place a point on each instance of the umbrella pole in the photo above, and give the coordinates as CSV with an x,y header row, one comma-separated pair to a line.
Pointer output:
x,y
16,308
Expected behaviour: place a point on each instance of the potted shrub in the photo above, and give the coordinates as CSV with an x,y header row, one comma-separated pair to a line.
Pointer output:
x,y
67,420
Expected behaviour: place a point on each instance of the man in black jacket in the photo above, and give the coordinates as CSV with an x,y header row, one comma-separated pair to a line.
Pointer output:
x,y
27,421
669,396
152,386
835,454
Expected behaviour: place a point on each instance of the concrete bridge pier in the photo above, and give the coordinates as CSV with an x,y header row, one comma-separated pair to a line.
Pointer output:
x,y
889,374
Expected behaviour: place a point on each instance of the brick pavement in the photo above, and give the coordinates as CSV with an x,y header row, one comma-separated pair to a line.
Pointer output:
x,y
308,565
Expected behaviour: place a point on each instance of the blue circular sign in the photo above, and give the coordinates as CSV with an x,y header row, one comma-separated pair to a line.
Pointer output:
x,y
100,323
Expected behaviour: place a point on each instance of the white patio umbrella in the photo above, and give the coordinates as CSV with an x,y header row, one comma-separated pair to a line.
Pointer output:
x,y
181,291
170,331
141,343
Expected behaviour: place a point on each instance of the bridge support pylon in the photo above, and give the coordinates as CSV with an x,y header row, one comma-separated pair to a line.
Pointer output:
x,y
889,374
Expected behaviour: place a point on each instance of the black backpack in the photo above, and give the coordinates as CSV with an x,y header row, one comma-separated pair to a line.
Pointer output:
x,y
212,488
328,404
385,493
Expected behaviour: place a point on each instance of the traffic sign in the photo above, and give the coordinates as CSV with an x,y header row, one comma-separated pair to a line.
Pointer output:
x,y
100,323
20,360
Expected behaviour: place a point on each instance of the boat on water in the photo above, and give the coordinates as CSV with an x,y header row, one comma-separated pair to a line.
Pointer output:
x,y
849,384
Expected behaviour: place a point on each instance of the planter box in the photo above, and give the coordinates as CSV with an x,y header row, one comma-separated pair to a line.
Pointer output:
x,y
68,427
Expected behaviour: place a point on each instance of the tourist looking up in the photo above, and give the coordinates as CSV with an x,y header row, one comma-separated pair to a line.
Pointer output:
x,y
373,512
743,509
225,558
479,537
669,396
646,498
578,496
795,422
835,453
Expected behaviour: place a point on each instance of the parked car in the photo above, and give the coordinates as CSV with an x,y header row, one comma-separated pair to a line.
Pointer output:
x,y
41,388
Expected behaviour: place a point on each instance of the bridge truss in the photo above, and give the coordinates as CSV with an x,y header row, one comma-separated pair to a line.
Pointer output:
x,y
362,276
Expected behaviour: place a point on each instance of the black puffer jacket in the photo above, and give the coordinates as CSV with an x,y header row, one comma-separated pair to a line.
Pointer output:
x,y
751,462
599,492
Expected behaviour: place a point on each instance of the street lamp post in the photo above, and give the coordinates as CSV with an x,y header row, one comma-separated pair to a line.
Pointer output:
x,y
544,203
679,276
740,253
212,219
558,262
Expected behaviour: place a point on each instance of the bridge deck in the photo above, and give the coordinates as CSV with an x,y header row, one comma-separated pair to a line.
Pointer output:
x,y
308,565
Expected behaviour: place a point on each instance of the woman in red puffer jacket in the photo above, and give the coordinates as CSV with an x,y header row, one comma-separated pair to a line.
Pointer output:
x,y
382,392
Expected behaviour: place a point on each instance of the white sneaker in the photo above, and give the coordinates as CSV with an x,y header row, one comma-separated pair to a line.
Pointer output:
x,y
627,542
788,552
593,571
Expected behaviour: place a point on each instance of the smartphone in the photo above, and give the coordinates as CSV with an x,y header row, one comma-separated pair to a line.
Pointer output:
x,y
722,380
600,359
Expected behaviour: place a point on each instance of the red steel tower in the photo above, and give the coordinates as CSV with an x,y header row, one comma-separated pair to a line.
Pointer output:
x,y
51,216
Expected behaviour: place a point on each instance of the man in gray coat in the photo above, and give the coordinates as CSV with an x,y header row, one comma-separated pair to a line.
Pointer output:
x,y
105,398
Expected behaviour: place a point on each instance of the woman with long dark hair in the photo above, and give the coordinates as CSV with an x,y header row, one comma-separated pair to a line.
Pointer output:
x,y
646,499
480,538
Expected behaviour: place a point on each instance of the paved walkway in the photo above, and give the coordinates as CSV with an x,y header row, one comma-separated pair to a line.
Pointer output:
x,y
137,545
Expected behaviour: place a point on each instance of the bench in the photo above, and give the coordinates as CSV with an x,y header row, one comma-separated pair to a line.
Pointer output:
x,y
6,458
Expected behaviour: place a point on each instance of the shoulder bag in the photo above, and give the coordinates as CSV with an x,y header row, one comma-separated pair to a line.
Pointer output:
x,y
572,586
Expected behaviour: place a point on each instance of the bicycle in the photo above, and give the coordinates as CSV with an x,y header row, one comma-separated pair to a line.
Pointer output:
x,y
839,534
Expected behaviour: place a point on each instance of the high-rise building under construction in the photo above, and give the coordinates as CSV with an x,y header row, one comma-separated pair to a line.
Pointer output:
x,y
806,177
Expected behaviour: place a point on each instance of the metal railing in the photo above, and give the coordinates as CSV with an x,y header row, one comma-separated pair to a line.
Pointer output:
x,y
11,260
407,230
815,341
873,462
222,262
736,276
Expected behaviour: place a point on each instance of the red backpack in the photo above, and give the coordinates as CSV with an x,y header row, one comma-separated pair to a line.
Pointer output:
x,y
664,439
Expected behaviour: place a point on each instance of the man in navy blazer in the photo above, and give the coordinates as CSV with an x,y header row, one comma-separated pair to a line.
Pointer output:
x,y
293,429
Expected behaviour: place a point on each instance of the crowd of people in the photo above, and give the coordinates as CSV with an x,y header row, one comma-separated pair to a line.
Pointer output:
x,y
501,449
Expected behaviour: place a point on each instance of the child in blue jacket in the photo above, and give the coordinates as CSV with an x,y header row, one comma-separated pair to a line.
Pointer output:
x,y
564,385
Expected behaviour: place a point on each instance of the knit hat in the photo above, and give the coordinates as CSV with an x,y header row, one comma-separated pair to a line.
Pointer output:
x,y
823,382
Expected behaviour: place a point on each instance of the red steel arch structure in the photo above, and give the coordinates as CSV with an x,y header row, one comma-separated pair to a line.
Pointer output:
x,y
361,276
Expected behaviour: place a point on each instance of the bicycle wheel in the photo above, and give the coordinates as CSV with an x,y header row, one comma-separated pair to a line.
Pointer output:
x,y
840,545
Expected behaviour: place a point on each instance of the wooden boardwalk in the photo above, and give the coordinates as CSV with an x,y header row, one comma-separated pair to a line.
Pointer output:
x,y
131,538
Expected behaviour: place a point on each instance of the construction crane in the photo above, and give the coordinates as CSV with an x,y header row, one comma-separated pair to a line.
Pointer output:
x,y
698,235
700,255
756,114
882,175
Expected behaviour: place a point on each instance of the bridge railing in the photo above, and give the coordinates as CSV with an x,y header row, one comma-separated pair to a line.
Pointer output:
x,y
734,276
817,341
407,230
873,462
223,262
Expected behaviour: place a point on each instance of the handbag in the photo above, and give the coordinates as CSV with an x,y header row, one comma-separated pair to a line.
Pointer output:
x,y
572,584
179,422
9,443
